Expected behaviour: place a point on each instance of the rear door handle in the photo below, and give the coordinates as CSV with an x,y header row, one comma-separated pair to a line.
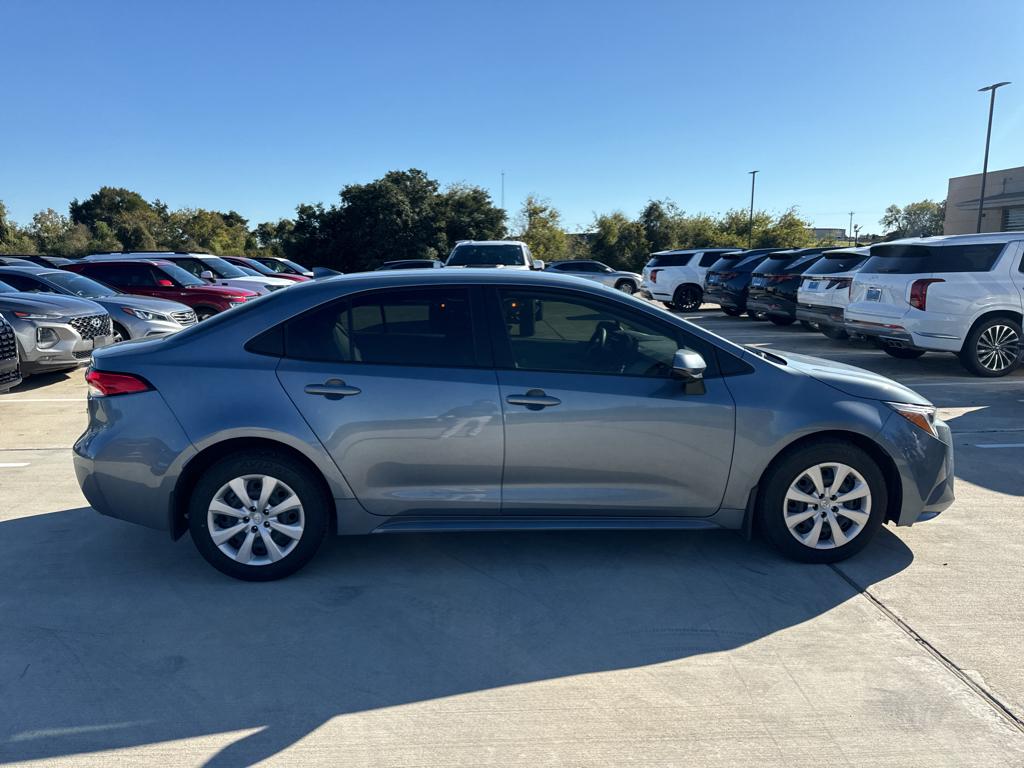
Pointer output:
x,y
534,399
332,389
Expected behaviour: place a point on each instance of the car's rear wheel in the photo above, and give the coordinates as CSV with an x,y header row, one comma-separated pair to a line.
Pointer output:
x,y
834,332
781,320
258,516
626,286
808,325
687,298
732,311
823,501
902,353
993,347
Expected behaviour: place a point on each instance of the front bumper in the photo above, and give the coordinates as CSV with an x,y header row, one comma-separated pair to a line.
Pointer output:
x,y
925,467
141,329
69,350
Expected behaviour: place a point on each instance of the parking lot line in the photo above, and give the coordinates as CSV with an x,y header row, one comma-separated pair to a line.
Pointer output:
x,y
13,464
42,399
999,445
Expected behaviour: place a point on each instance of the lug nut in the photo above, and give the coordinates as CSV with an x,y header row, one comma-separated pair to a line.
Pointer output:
x,y
255,529
266,524
245,519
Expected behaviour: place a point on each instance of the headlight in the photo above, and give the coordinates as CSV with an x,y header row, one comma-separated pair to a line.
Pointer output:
x,y
921,416
37,316
145,314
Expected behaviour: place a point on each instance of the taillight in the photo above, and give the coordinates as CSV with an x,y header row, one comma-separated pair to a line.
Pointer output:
x,y
654,275
107,384
919,292
727,275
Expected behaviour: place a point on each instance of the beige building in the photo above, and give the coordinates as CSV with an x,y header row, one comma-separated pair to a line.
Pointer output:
x,y
1004,203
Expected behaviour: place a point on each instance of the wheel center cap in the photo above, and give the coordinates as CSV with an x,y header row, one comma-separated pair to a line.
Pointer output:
x,y
257,517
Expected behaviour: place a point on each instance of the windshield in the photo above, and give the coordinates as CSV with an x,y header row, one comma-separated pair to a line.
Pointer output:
x,y
251,265
486,256
79,285
221,268
182,276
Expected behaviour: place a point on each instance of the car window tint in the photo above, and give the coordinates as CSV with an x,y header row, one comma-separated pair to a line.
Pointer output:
x,y
707,259
25,284
553,332
424,327
920,259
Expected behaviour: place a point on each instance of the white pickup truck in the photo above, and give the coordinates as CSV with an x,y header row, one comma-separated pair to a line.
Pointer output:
x,y
507,254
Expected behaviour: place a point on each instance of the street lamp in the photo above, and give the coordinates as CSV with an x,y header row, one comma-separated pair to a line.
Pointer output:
x,y
856,235
988,138
750,233
850,230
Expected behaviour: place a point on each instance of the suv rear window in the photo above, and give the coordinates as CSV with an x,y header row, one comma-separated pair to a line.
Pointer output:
x,y
774,265
922,259
841,262
670,260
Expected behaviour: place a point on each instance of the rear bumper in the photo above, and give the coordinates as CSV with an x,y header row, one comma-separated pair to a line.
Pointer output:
x,y
827,316
774,306
725,297
915,329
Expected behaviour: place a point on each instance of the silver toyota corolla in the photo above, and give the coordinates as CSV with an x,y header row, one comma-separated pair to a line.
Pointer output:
x,y
54,333
468,400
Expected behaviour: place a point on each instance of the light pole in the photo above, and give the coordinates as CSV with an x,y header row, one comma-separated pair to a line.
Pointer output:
x,y
988,138
503,190
850,230
750,233
856,236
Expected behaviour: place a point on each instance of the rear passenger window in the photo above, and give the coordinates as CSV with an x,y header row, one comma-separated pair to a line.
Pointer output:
x,y
920,259
422,327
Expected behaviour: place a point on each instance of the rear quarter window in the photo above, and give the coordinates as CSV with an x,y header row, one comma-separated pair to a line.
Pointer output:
x,y
923,259
671,260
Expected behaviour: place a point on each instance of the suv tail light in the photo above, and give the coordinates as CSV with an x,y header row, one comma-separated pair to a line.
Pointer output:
x,y
654,275
727,275
107,384
919,292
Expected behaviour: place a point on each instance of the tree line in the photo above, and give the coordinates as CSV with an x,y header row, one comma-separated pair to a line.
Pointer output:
x,y
407,215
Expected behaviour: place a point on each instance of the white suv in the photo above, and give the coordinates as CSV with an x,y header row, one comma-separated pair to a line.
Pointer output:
x,y
962,294
676,278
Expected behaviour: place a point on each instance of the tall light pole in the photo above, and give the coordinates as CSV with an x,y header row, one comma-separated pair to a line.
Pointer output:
x,y
503,190
988,138
856,236
750,233
850,230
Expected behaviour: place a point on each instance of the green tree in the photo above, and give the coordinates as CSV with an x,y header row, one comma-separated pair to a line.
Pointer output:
x,y
470,214
196,229
540,227
13,238
131,219
921,219
664,225
619,242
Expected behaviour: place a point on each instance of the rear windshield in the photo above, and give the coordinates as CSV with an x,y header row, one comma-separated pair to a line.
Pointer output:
x,y
748,264
842,262
670,260
729,260
775,264
922,259
486,256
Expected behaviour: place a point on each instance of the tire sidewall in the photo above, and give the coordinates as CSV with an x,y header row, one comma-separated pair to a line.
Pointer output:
x,y
969,356
287,470
786,470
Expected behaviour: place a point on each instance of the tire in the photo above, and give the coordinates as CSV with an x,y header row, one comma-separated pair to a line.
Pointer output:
x,y
626,286
781,320
790,473
732,311
902,353
759,316
295,484
994,347
808,325
204,313
834,333
687,298
120,333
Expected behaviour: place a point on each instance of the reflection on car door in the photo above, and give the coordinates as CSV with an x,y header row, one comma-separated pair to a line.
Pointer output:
x,y
594,422
398,386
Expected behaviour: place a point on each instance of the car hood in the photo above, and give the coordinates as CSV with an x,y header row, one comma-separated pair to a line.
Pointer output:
x,y
48,303
218,290
259,281
143,302
852,380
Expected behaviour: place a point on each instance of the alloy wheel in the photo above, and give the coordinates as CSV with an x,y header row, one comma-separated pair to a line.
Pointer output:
x,y
998,347
256,519
827,505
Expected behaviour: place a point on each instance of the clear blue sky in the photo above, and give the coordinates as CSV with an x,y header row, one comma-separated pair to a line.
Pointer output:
x,y
598,106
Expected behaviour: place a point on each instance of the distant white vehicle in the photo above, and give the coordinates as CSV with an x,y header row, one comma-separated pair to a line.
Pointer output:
x,y
962,294
205,266
676,278
627,282
506,254
824,290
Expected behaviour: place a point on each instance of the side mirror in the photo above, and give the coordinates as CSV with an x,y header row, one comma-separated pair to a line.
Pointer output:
x,y
688,365
537,264
207,275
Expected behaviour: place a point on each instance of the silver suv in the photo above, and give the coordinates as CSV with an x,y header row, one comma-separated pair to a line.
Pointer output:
x,y
10,370
54,333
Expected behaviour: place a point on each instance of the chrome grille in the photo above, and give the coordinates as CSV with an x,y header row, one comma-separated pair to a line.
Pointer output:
x,y
91,326
8,347
184,317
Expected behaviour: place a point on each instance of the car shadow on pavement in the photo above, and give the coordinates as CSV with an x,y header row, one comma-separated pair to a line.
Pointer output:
x,y
42,380
115,637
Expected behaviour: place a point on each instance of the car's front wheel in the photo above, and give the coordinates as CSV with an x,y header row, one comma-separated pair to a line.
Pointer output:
x,y
993,347
258,515
823,501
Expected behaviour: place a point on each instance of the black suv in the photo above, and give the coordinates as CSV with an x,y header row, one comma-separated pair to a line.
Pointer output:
x,y
773,285
728,279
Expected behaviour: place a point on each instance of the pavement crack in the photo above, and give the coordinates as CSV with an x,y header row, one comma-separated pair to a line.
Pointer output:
x,y
979,690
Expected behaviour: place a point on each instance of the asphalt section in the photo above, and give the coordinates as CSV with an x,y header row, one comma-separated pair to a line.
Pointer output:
x,y
556,649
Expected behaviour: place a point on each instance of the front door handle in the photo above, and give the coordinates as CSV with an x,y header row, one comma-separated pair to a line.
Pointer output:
x,y
534,399
332,389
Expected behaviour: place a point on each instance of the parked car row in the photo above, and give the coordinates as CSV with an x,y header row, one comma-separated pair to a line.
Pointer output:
x,y
962,294
57,311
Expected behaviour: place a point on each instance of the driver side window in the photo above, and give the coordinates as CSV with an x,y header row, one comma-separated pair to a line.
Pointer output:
x,y
574,334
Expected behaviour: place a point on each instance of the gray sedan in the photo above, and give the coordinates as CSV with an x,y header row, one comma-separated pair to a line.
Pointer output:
x,y
627,282
54,333
472,400
133,317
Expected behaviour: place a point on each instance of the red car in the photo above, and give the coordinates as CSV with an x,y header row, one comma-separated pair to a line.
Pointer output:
x,y
263,269
163,280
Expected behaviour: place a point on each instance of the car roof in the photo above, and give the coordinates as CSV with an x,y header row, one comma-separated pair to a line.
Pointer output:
x,y
141,260
946,240
839,252
683,251
489,242
30,268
